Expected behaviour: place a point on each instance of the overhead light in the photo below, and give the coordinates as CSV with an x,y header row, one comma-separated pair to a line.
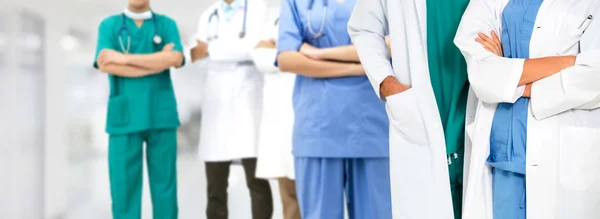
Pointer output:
x,y
68,43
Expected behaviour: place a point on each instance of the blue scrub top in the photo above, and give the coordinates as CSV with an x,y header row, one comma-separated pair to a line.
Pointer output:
x,y
509,129
334,117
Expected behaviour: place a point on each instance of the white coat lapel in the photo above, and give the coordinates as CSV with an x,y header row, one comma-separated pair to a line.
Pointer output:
x,y
420,73
421,7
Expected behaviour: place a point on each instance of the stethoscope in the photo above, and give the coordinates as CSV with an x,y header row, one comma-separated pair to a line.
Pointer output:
x,y
216,14
320,33
156,39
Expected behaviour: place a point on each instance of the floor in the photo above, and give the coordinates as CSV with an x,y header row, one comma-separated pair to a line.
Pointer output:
x,y
89,194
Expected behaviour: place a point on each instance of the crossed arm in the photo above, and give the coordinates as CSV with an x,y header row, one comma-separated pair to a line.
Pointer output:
x,y
310,61
533,69
294,61
131,65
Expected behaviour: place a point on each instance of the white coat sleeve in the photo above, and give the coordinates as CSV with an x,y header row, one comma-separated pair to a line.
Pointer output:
x,y
368,27
264,59
202,32
494,79
577,87
237,50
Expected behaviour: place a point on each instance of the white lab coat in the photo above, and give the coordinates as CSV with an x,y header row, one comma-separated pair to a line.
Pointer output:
x,y
420,184
275,158
232,97
563,130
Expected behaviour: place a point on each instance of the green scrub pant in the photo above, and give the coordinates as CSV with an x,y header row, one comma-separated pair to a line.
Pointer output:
x,y
455,169
125,161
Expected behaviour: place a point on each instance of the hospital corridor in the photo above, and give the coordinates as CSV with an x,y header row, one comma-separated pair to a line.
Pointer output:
x,y
53,110
299,109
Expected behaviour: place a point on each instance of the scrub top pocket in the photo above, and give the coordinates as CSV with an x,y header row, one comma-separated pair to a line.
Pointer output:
x,y
166,109
118,111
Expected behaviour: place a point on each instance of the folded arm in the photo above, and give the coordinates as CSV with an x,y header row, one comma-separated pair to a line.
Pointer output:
x,y
368,28
293,61
576,87
264,56
533,69
156,61
126,70
540,68
343,53
493,78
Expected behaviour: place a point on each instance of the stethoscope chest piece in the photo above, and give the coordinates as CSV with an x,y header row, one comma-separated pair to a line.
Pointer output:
x,y
157,39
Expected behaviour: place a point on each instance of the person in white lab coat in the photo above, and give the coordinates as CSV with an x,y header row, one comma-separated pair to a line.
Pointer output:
x,y
231,105
425,88
551,137
275,160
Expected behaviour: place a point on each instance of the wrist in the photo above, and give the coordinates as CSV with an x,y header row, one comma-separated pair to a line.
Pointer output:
x,y
358,69
320,54
127,59
567,61
385,84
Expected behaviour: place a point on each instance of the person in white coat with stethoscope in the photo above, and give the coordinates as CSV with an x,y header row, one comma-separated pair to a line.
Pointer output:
x,y
231,104
275,160
535,69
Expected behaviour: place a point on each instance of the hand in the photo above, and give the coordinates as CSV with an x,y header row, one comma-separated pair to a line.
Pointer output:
x,y
311,51
527,92
200,51
110,56
168,48
492,44
268,44
391,86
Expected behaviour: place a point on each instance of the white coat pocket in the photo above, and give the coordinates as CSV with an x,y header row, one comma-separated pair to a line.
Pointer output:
x,y
406,118
579,162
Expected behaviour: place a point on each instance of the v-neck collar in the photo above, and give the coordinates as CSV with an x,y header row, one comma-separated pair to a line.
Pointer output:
x,y
137,28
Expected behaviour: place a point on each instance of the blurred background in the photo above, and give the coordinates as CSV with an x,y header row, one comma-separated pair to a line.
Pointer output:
x,y
53,148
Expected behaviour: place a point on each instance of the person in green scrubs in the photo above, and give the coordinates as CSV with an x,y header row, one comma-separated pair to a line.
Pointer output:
x,y
137,48
446,65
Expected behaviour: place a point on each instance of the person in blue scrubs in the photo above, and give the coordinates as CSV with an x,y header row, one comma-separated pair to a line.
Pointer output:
x,y
509,128
340,137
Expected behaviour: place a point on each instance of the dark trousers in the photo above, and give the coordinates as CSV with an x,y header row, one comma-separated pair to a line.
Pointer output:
x,y
217,175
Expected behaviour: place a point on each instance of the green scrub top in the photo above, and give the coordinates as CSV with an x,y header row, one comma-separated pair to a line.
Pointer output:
x,y
144,103
448,72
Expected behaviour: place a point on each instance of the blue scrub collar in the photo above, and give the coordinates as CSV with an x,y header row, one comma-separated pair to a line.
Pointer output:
x,y
138,15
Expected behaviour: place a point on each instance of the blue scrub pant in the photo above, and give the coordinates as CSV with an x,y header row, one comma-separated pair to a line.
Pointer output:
x,y
509,195
508,148
321,183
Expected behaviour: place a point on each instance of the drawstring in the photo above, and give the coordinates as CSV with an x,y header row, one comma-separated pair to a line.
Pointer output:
x,y
522,204
450,157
